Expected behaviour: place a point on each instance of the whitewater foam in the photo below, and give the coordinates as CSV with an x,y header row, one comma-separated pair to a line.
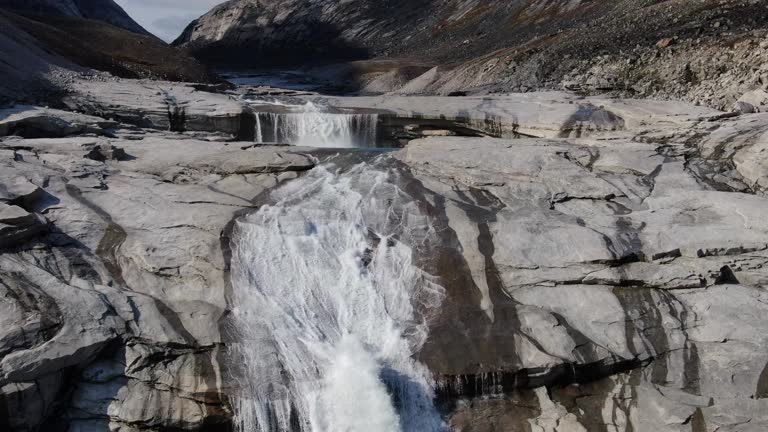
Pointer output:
x,y
309,125
330,307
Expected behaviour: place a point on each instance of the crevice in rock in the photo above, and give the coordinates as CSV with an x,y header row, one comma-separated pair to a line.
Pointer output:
x,y
177,115
247,131
720,175
698,422
31,298
451,387
562,197
761,392
645,323
111,241
594,155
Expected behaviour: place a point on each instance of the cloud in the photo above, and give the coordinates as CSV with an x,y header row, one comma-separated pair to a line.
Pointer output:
x,y
169,28
166,19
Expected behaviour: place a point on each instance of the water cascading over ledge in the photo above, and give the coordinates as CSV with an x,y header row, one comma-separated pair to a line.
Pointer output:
x,y
309,125
330,307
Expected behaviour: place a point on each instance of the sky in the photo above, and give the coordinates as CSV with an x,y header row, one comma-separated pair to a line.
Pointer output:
x,y
166,19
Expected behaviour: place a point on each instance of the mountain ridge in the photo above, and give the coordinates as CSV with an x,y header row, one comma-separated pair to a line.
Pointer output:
x,y
44,54
647,48
100,10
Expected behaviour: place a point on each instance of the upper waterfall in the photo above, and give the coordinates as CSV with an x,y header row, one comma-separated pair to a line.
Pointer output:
x,y
329,307
308,125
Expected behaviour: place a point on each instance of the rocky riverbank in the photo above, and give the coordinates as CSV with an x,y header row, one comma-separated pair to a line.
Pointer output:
x,y
603,259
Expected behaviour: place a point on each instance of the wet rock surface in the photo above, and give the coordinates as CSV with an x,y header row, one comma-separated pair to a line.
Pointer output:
x,y
112,275
161,105
539,114
604,267
604,270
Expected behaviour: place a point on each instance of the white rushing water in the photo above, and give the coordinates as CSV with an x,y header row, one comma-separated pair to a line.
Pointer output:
x,y
330,307
310,126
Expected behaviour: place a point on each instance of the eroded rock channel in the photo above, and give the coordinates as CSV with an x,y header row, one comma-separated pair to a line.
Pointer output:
x,y
521,262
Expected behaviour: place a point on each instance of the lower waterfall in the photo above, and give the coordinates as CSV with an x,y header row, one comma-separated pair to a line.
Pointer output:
x,y
330,307
311,127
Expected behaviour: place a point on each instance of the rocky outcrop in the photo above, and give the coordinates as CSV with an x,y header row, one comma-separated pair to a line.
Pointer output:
x,y
713,67
604,270
163,105
34,122
607,272
98,10
102,322
537,114
706,53
286,31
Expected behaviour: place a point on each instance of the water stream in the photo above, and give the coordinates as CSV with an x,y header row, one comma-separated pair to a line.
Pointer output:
x,y
309,125
330,306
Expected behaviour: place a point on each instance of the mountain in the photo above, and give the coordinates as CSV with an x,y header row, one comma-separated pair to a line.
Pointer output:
x,y
704,51
43,53
98,10
288,31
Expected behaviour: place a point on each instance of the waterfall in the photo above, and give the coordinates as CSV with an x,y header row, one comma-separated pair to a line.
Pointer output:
x,y
312,127
330,307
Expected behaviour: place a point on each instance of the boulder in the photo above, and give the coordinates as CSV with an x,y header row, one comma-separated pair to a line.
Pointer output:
x,y
16,225
664,43
758,99
744,107
34,122
105,152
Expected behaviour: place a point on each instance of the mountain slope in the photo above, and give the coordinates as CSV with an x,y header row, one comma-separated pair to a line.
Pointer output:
x,y
109,12
26,64
435,29
40,54
99,10
677,49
